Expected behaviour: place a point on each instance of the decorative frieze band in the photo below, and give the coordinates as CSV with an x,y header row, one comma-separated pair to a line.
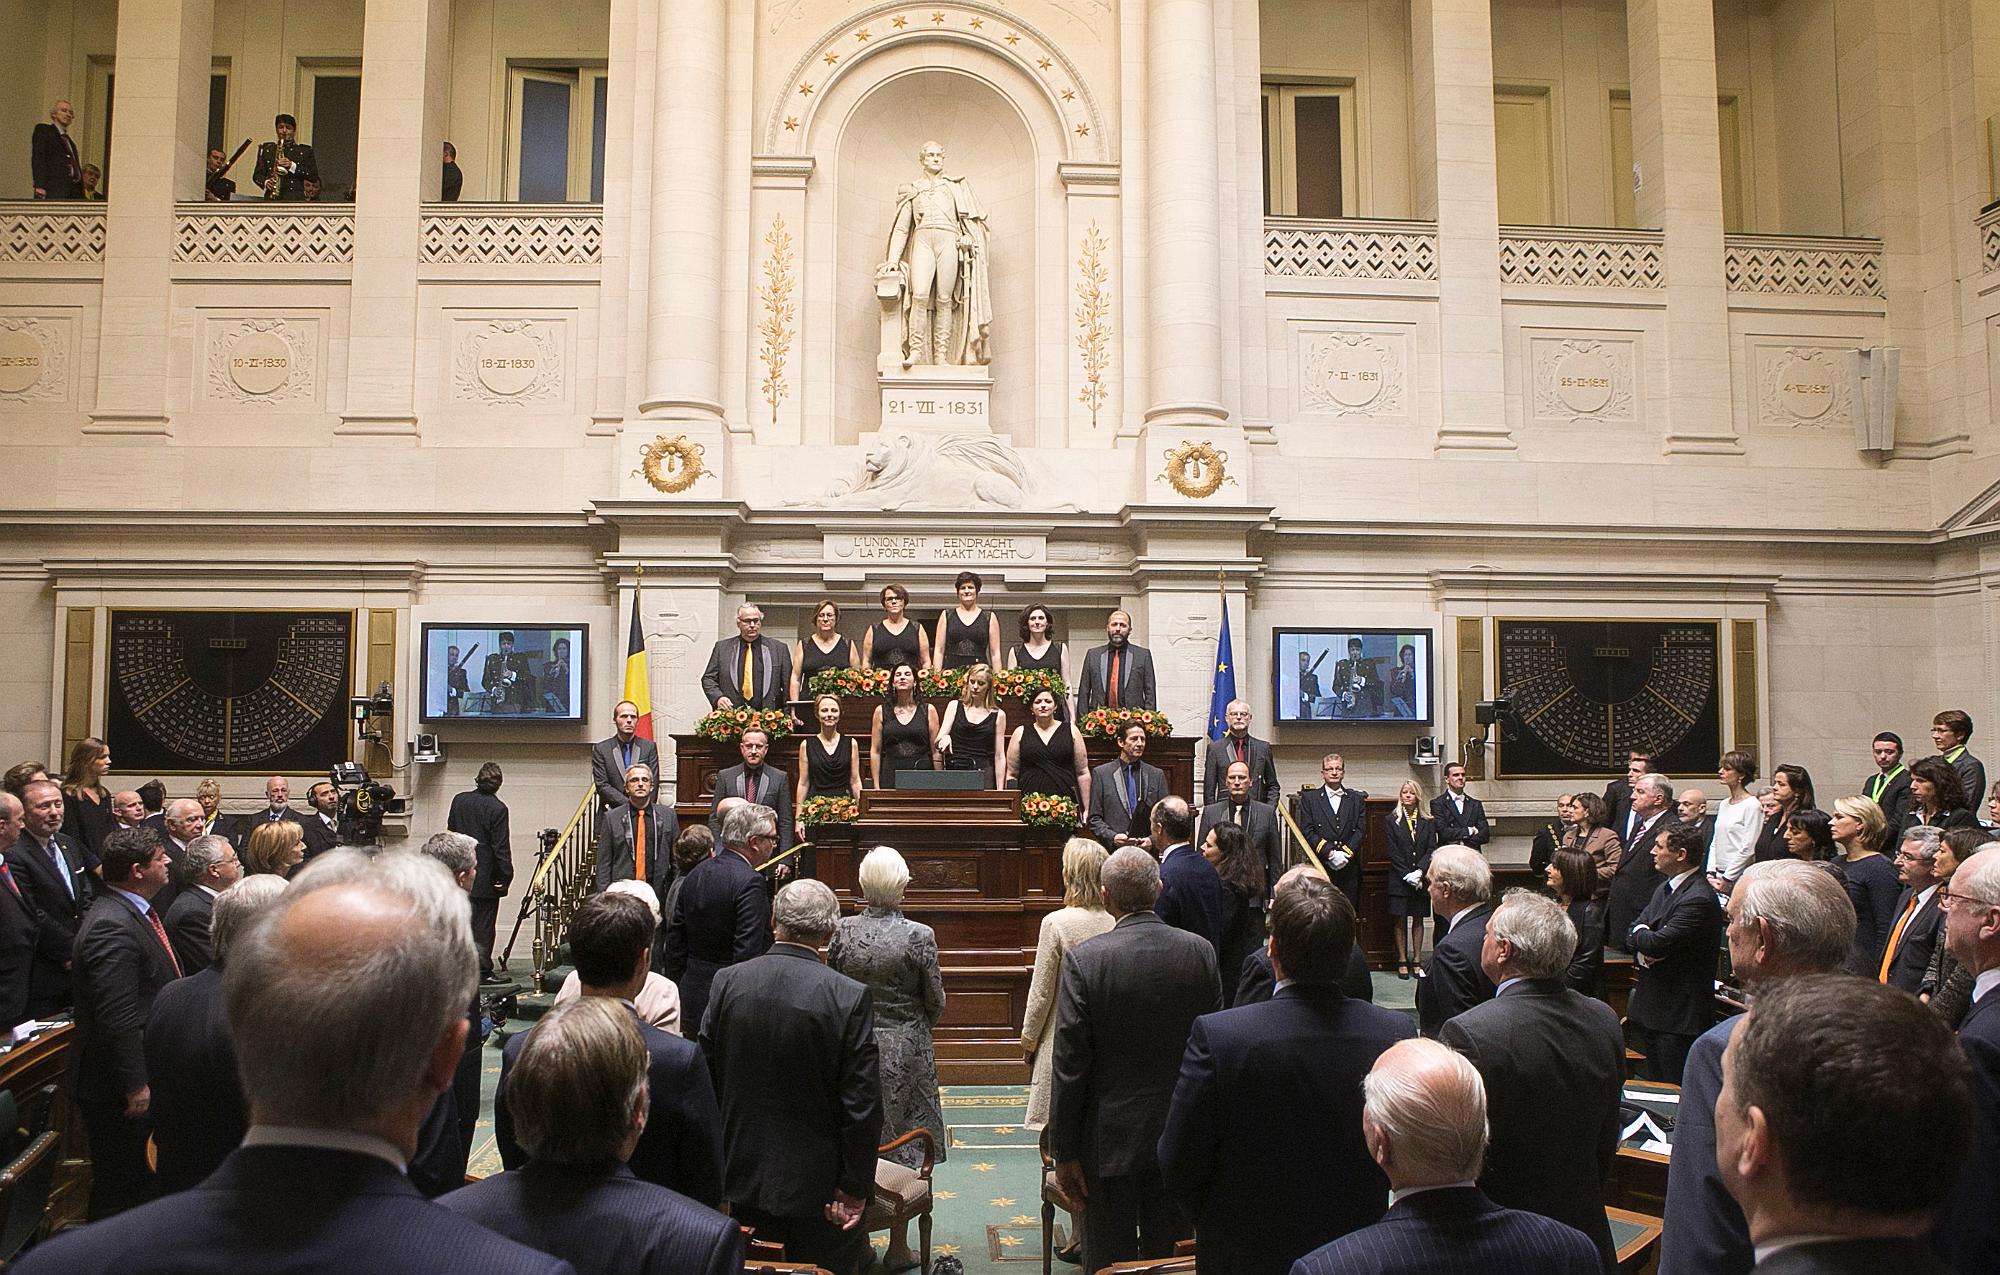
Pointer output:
x,y
1989,239
259,234
1567,257
54,233
1805,267
511,234
1350,249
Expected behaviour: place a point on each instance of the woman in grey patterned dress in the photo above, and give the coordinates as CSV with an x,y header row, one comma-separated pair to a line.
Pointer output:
x,y
898,960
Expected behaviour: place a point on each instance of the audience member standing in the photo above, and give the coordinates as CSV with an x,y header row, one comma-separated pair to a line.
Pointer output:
x,y
208,867
1951,731
1461,889
320,826
452,179
1870,878
637,838
87,817
1786,919
1124,791
1082,916
1636,879
1129,999
1889,786
1118,674
21,926
54,167
1919,913
1334,819
1572,876
49,869
1423,1116
214,823
1238,744
1192,896
481,815
1618,793
762,784
1244,888
580,1099
791,1044
1259,822
1675,940
277,805
1553,1063
1412,838
1968,1232
1461,817
612,759
1839,1169
1262,1147
1732,847
1257,982
722,916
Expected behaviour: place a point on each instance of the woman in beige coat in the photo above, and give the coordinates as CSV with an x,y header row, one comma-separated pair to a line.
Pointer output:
x,y
1081,917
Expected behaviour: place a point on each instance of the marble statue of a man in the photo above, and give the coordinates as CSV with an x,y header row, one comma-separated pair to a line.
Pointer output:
x,y
937,256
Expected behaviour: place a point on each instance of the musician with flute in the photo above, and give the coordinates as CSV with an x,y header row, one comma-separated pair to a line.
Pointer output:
x,y
286,165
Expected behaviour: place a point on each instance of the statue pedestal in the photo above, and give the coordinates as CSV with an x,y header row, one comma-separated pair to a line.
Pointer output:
x,y
937,399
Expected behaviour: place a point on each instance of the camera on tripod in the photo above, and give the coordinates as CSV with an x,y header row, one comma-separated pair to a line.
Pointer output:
x,y
363,802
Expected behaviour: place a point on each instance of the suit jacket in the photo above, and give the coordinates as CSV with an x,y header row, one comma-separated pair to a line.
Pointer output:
x,y
1705,1233
1617,803
774,789
1968,1227
607,766
291,185
1263,1146
451,183
721,916
1192,896
724,674
1125,1008
120,966
1679,934
1257,982
1894,799
1455,1231
232,828
318,837
20,936
785,1024
1586,967
617,844
1408,852
1972,777
1327,831
199,1111
61,912
1455,982
1136,687
1221,754
1260,825
1108,815
359,1214
58,169
187,928
483,817
681,1147
1635,882
1542,1049
1913,950
603,1223
1859,1257
1456,829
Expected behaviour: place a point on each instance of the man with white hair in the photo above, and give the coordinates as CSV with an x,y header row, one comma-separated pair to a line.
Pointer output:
x,y
1461,889
346,1004
722,915
1906,957
1553,1062
1632,886
208,867
1785,919
791,1044
182,824
1968,1232
1423,1115
1238,744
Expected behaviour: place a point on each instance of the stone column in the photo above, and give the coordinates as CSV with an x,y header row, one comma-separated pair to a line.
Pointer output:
x,y
1457,183
405,46
1184,217
157,157
1677,150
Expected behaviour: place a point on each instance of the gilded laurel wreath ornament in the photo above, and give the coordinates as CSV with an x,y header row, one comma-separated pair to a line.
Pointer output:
x,y
1197,470
671,465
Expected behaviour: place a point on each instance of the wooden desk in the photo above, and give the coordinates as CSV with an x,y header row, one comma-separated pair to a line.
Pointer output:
x,y
1635,1236
1639,1176
37,1072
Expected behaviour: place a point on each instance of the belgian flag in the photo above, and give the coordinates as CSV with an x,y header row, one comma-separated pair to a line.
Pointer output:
x,y
637,688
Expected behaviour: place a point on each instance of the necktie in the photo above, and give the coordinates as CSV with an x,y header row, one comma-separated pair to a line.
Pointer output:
x,y
1111,695
751,778
62,867
1236,815
1895,937
1410,826
7,875
1243,751
160,933
639,845
1131,790
625,755
749,683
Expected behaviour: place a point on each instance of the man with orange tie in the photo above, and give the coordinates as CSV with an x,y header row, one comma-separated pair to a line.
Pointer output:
x,y
637,843
748,670
1918,913
1118,674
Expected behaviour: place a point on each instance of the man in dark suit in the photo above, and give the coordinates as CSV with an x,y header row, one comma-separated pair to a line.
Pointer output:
x,y
20,925
122,960
1238,744
208,867
320,826
1262,1147
1541,1049
1126,1005
760,784
1118,674
1951,731
180,824
1461,889
277,805
48,867
452,180
611,941
636,829
575,1196
198,1110
1258,820
289,161
1423,1117
1636,880
722,913
508,678
1919,912
1889,786
1461,818
1192,896
1675,941
1839,1170
1691,806
1968,1231
1786,919
1124,792
1334,818
127,810
481,815
799,1167
612,759
57,172
748,670
337,1095
1618,793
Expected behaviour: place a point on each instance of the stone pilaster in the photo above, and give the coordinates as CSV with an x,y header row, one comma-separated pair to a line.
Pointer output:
x,y
1184,219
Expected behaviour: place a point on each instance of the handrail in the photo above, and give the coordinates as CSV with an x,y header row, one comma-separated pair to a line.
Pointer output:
x,y
562,879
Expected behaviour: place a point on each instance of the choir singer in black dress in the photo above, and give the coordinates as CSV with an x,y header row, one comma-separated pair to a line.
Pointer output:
x,y
823,648
969,737
895,638
968,634
1047,756
829,763
904,728
1038,649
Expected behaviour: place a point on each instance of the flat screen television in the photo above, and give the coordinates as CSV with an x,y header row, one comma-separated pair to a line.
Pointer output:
x,y
1352,675
504,673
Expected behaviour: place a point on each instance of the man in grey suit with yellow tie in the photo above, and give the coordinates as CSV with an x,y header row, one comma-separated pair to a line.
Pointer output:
x,y
748,670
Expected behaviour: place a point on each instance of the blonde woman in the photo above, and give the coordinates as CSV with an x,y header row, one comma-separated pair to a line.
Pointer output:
x,y
1412,835
275,847
1082,916
971,735
1870,877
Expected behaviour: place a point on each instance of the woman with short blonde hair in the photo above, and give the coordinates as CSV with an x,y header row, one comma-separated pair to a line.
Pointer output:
x,y
1082,916
1873,886
276,847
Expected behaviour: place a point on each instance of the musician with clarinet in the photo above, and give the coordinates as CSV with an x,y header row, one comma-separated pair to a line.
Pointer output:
x,y
286,165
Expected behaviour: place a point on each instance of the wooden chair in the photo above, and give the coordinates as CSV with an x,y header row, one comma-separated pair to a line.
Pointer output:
x,y
903,1194
1049,1203
24,1183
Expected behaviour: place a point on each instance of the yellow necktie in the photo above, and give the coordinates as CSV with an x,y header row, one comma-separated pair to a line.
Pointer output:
x,y
1895,937
749,672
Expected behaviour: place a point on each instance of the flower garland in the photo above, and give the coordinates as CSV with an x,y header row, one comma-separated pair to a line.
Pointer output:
x,y
848,681
1049,810
726,725
1106,723
835,809
1022,683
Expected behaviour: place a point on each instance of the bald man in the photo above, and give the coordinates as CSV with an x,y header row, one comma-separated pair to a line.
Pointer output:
x,y
1238,744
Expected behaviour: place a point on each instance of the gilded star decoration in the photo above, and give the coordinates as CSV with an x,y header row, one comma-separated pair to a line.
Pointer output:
x,y
947,1195
863,35
1002,1203
791,123
1011,1241
899,22
1044,63
832,57
982,1168
977,23
946,1250
938,18
1013,38
1069,95
1021,1219
1003,1130
1083,130
805,90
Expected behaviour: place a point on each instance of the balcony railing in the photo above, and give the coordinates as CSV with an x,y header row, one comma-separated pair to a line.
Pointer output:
x,y
511,234
1581,257
1803,265
1989,239
50,232
264,234
1350,248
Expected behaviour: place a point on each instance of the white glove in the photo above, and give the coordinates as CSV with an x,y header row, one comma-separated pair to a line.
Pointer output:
x,y
1339,859
1414,878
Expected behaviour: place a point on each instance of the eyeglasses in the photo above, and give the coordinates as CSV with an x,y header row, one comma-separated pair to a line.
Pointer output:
x,y
1947,899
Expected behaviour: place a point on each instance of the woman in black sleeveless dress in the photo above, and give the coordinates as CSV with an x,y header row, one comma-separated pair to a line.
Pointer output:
x,y
973,726
1038,650
823,648
968,634
1047,756
901,734
829,763
895,639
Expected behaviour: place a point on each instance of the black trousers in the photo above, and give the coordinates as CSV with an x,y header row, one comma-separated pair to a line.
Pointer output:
x,y
1666,1053
485,919
808,1239
1128,1218
119,1178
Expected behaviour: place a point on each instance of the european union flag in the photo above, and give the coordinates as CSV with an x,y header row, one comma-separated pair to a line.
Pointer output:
x,y
1225,679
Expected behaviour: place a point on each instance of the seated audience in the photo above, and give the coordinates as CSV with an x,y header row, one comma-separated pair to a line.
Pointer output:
x,y
1461,888
1841,1168
1675,942
346,1005
1262,1147
659,1001
1968,1231
580,1095
1423,1117
208,867
1573,876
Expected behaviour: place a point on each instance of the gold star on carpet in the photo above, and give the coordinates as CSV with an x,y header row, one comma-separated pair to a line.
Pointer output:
x,y
1044,63
946,1250
899,22
1021,1219
947,1195
1069,95
1011,1241
1003,1129
978,23
982,1168
1083,130
832,57
805,90
862,35
1002,1203
1012,38
791,123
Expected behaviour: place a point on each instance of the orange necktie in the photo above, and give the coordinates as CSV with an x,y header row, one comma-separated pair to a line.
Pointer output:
x,y
638,845
1895,937
1111,692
